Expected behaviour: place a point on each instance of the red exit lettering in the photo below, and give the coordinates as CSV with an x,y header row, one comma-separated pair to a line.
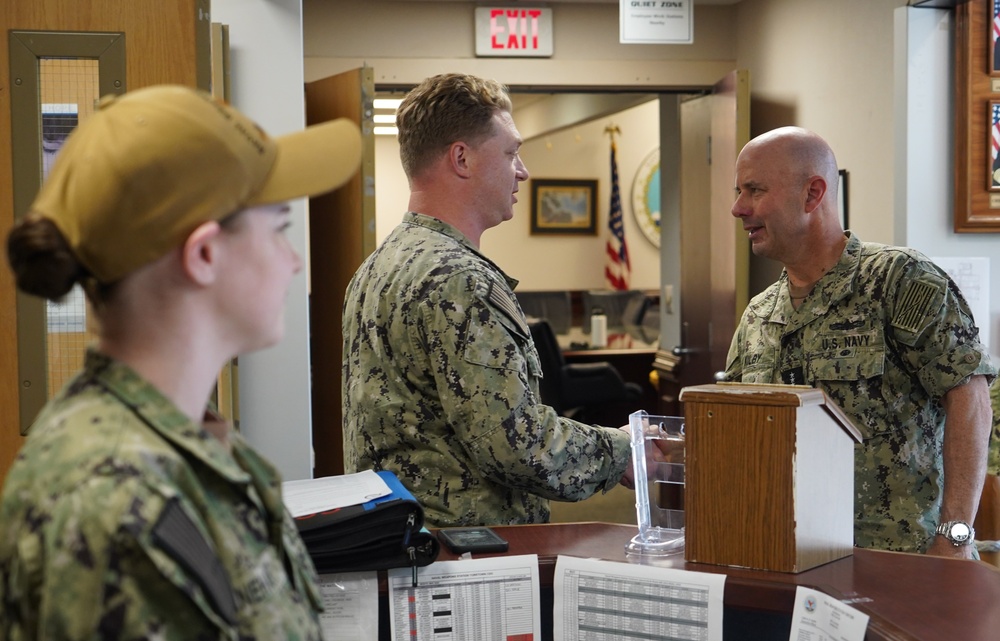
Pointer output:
x,y
521,28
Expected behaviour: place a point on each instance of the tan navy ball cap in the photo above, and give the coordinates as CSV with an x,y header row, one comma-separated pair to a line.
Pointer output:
x,y
141,173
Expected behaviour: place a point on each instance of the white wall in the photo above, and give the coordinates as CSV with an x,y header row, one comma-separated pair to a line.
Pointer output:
x,y
405,42
577,262
925,157
268,74
824,65
267,81
875,79
828,66
418,39
553,262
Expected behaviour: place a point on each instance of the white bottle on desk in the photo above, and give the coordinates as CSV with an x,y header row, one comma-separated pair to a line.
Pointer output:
x,y
598,328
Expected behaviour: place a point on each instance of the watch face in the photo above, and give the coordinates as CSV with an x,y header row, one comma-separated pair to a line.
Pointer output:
x,y
959,532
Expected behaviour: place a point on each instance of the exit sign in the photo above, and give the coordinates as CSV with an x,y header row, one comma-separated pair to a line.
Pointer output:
x,y
513,32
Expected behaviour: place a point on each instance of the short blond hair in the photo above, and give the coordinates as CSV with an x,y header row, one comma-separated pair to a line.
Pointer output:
x,y
444,109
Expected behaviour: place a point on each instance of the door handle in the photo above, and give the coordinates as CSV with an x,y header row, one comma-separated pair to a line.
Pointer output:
x,y
680,350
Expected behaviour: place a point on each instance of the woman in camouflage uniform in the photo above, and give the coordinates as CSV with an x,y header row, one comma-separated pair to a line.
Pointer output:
x,y
132,511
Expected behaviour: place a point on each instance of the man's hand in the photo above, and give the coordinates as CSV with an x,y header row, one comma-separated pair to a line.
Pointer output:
x,y
657,451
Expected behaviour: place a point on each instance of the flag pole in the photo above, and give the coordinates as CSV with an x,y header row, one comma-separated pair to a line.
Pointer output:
x,y
613,130
617,269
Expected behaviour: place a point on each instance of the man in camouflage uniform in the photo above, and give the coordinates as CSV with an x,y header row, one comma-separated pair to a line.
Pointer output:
x,y
988,518
882,330
993,461
440,372
133,512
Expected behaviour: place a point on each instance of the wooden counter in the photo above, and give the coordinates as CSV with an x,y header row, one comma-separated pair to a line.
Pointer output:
x,y
907,596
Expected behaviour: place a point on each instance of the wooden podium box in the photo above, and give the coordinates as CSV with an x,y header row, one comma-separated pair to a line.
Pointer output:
x,y
769,478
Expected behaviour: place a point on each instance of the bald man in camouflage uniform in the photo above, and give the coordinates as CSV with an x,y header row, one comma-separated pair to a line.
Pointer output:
x,y
440,372
882,330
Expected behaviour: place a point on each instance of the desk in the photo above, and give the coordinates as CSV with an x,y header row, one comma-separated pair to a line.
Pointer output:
x,y
907,596
620,340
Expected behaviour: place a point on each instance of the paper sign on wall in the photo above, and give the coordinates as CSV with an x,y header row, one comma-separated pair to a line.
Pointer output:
x,y
655,22
972,275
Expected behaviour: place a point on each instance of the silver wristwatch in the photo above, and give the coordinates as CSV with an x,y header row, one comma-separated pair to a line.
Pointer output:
x,y
958,532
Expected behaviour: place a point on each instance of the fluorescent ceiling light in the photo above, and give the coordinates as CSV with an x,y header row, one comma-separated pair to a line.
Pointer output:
x,y
387,103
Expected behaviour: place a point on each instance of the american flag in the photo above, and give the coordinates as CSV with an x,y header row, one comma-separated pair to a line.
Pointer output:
x,y
996,130
996,22
617,271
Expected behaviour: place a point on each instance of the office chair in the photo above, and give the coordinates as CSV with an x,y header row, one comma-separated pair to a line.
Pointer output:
x,y
553,306
577,390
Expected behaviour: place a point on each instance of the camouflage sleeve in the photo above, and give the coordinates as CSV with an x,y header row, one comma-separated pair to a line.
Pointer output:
x,y
486,369
932,328
81,572
734,360
993,463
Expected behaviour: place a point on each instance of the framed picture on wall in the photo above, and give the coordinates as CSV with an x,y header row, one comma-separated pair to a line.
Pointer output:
x,y
993,24
563,206
993,145
976,94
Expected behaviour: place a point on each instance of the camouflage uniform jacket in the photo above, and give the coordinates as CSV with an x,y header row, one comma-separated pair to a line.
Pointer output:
x,y
885,334
122,519
441,387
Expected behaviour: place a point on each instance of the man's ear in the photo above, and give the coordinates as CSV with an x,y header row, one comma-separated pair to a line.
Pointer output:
x,y
459,159
815,190
201,252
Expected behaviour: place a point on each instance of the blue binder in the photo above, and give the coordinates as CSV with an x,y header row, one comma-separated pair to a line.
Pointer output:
x,y
384,533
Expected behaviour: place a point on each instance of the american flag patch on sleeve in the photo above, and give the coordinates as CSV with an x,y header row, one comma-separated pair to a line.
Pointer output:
x,y
505,303
914,306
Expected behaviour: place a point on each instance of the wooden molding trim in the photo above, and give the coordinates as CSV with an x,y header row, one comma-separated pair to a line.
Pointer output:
x,y
977,87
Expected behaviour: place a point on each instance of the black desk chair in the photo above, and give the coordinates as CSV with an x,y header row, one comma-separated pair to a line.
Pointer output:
x,y
553,306
577,390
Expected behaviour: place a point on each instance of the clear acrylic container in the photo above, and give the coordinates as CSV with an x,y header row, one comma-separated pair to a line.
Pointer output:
x,y
659,499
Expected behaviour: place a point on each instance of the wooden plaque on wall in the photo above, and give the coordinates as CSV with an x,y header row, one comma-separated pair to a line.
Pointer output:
x,y
977,118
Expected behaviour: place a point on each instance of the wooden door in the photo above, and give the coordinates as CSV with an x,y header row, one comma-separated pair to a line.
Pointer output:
x,y
714,254
166,42
341,235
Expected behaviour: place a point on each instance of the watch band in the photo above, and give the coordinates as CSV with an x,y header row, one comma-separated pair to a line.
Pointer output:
x,y
958,532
